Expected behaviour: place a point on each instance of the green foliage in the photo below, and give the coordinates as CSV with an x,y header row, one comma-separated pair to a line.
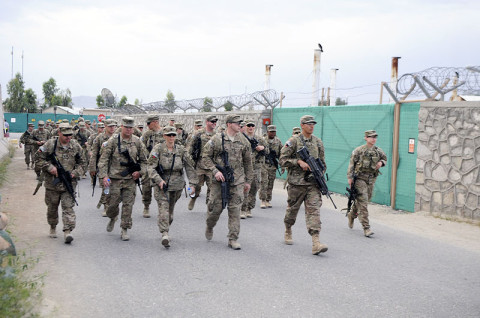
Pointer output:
x,y
15,103
123,101
228,106
100,101
170,103
50,91
30,100
207,105
340,101
137,102
65,98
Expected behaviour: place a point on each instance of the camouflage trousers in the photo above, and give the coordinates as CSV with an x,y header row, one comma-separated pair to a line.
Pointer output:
x,y
103,197
52,199
165,207
122,191
204,176
29,152
251,196
87,160
268,178
365,191
234,203
311,196
147,191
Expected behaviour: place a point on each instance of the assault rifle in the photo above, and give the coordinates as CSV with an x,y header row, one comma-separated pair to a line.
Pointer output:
x,y
254,144
83,139
63,176
317,169
94,181
132,166
161,172
196,149
272,160
227,172
351,194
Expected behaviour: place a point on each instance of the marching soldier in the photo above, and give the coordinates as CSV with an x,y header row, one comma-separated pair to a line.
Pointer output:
x,y
122,162
40,136
269,171
29,145
55,154
81,136
364,166
302,187
239,157
165,168
196,143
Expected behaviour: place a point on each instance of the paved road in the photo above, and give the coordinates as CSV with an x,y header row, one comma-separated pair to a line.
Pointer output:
x,y
392,274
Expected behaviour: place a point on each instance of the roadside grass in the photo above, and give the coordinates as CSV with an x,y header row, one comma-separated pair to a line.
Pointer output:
x,y
20,288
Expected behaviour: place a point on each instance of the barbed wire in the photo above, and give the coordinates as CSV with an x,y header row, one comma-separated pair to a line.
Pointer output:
x,y
465,79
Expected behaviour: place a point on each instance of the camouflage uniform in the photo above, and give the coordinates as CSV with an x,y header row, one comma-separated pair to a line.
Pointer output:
x,y
166,203
41,135
71,158
363,163
29,146
301,189
81,136
269,172
122,188
240,160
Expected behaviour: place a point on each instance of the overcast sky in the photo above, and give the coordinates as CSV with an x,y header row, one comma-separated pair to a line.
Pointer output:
x,y
143,48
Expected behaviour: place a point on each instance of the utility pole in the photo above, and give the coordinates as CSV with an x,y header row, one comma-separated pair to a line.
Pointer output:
x,y
268,72
316,76
333,83
12,62
22,66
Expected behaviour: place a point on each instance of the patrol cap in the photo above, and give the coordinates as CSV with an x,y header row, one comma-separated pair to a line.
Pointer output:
x,y
172,119
111,122
233,119
198,122
151,118
250,121
81,124
81,119
41,123
31,124
296,130
140,126
66,129
371,133
87,122
128,122
307,119
211,118
100,125
65,121
179,125
271,128
169,130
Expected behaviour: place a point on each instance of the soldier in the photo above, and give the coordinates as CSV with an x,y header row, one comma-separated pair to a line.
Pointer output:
x,y
140,128
269,171
365,162
88,126
239,156
81,136
258,159
54,132
195,145
171,122
302,188
181,135
68,153
40,135
29,145
97,145
150,138
295,131
165,168
122,162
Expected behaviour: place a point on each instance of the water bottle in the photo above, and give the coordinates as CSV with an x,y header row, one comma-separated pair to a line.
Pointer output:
x,y
106,190
190,193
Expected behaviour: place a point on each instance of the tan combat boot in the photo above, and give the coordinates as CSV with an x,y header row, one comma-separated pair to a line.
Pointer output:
x,y
248,214
165,239
318,247
269,205
146,212
288,236
53,232
368,232
104,213
191,204
209,233
234,244
124,236
243,214
110,224
263,205
350,220
68,237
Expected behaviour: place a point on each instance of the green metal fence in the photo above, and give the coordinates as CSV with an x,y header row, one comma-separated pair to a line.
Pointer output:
x,y
18,121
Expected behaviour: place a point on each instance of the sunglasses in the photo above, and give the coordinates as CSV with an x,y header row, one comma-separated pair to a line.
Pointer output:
x,y
213,121
250,125
170,135
67,135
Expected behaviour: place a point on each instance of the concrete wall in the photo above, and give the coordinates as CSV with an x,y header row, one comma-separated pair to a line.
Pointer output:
x,y
448,159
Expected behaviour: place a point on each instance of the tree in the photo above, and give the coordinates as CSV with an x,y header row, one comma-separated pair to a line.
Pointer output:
x,y
15,90
228,106
65,98
122,102
340,101
207,104
137,102
100,101
49,91
30,100
170,103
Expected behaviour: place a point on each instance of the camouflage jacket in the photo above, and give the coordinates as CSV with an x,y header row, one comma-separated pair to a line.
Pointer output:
x,y
70,157
112,162
364,160
257,159
150,138
82,137
96,149
27,138
239,157
161,155
204,138
289,158
41,135
274,144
